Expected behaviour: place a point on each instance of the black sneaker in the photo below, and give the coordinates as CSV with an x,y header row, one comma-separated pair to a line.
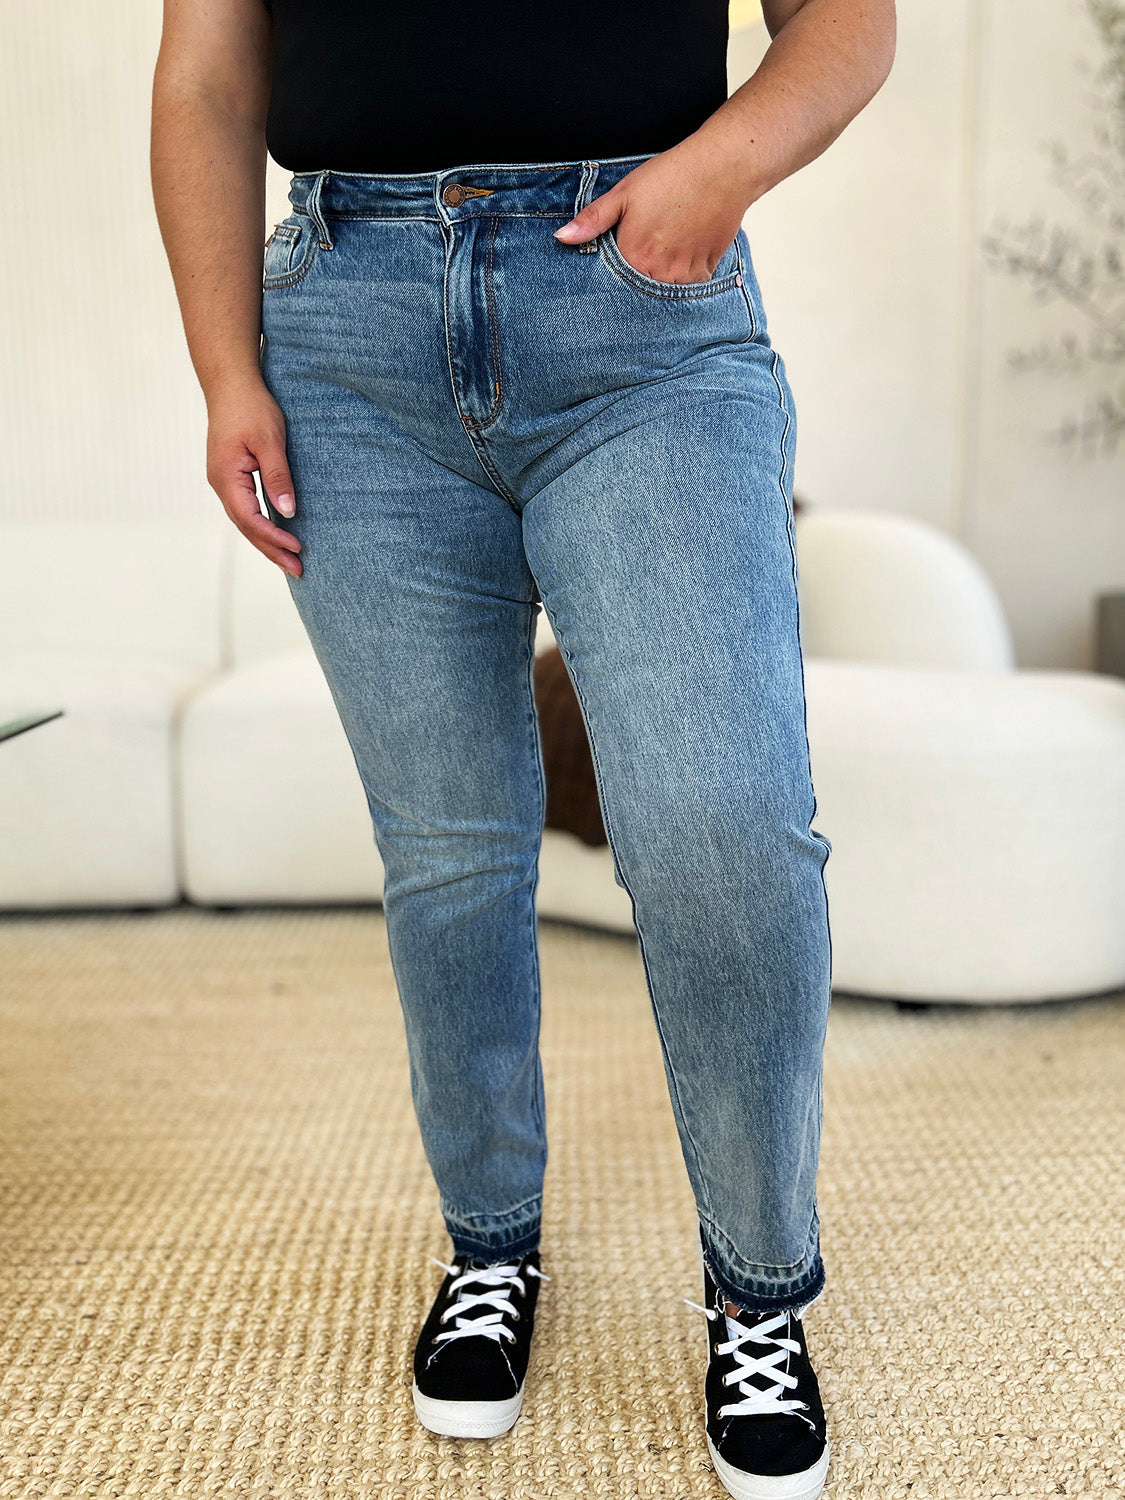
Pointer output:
x,y
472,1353
766,1430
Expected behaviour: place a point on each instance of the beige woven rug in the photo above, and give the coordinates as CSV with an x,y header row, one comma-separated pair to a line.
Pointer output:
x,y
217,1223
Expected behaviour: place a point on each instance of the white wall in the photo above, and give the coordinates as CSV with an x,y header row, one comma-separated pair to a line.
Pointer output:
x,y
100,412
896,330
1048,526
893,332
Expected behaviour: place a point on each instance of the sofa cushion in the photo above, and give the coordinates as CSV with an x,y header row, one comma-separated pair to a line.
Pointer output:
x,y
88,800
273,805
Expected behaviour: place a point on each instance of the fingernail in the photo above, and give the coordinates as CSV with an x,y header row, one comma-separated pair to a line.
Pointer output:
x,y
285,505
566,229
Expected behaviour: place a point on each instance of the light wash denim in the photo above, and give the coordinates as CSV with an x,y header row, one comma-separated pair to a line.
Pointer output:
x,y
481,418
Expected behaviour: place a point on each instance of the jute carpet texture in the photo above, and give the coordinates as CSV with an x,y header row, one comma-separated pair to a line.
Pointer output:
x,y
217,1220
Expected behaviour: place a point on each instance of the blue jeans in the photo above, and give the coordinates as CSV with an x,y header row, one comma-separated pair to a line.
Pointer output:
x,y
481,419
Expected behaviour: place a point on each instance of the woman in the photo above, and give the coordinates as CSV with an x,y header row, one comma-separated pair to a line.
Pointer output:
x,y
512,351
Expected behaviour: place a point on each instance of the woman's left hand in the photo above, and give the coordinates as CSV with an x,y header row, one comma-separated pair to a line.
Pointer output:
x,y
677,215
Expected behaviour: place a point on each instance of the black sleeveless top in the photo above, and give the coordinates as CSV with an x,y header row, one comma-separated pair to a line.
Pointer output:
x,y
364,86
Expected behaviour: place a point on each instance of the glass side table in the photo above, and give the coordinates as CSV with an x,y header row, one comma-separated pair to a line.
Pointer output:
x,y
28,721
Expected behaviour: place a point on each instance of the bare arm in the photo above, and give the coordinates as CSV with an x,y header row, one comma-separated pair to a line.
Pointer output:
x,y
827,59
208,159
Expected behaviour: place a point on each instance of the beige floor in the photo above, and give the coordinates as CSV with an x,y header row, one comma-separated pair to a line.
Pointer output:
x,y
217,1219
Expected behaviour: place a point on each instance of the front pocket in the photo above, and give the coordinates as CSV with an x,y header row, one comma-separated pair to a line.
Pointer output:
x,y
726,274
289,252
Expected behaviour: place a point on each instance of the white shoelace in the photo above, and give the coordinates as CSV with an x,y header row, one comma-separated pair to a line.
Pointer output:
x,y
501,1278
762,1331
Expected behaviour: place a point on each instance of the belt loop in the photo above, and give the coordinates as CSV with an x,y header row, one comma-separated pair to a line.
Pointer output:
x,y
585,193
313,206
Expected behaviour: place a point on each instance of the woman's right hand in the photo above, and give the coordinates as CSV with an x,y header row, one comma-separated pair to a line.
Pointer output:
x,y
246,432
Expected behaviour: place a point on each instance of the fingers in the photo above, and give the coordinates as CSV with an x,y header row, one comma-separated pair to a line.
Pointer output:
x,y
277,481
279,545
232,479
277,484
594,219
284,560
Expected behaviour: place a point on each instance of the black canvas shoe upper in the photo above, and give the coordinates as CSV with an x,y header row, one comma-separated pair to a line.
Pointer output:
x,y
753,1382
476,1341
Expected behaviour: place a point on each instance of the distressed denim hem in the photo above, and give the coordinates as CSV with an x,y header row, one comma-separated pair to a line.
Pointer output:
x,y
503,1240
770,1293
792,1296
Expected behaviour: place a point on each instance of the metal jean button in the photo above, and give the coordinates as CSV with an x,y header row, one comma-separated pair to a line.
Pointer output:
x,y
456,193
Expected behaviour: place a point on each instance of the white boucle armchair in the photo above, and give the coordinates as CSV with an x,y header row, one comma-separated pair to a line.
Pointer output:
x,y
975,811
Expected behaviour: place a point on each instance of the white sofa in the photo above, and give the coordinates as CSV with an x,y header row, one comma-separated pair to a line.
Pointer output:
x,y
975,812
116,625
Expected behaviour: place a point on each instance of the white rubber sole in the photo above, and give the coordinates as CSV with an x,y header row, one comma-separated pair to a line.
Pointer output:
x,y
803,1486
473,1419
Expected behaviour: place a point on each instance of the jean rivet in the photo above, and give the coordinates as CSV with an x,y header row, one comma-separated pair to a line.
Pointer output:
x,y
738,278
